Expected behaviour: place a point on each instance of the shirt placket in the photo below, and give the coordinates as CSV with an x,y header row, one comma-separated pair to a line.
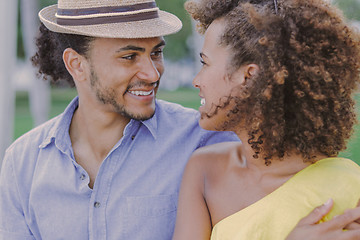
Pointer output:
x,y
102,186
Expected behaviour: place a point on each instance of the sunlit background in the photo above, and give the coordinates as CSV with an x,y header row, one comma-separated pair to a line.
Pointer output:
x,y
36,101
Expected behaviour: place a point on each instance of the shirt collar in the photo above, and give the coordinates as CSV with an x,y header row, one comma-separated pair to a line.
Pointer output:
x,y
152,123
60,130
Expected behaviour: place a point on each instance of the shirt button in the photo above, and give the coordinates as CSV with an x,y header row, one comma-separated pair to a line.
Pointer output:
x,y
132,137
96,204
82,177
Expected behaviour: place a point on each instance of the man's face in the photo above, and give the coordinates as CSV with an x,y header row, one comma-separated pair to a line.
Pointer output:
x,y
125,73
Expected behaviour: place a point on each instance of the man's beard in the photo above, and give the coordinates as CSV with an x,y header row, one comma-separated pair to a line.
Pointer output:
x,y
108,96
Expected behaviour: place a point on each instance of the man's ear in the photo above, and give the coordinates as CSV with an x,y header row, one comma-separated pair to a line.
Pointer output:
x,y
75,64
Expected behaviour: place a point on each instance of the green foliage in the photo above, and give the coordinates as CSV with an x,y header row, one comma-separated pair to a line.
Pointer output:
x,y
44,3
20,46
176,44
353,150
351,8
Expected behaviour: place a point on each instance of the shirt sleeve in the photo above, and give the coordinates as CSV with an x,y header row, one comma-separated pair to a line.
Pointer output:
x,y
217,137
12,220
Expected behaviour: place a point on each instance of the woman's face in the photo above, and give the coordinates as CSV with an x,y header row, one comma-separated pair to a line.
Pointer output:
x,y
213,80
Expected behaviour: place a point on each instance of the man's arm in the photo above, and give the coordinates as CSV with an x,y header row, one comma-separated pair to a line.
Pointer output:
x,y
193,218
308,227
12,220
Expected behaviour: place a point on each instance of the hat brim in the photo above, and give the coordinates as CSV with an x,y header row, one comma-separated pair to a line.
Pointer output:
x,y
166,24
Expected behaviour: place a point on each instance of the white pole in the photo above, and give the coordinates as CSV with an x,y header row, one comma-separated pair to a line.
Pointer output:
x,y
8,27
39,92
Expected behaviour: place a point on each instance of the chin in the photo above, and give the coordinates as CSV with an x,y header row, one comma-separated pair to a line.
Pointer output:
x,y
141,116
206,124
213,123
136,112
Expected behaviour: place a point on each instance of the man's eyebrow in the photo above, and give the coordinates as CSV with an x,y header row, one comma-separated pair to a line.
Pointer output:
x,y
162,43
131,47
140,49
202,55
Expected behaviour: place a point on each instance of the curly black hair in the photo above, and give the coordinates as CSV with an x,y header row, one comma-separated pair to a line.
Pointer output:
x,y
309,61
51,45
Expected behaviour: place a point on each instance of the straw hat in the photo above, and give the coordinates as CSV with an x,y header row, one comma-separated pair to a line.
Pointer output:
x,y
109,18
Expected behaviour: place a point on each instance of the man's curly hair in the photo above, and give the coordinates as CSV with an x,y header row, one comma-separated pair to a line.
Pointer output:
x,y
309,62
51,45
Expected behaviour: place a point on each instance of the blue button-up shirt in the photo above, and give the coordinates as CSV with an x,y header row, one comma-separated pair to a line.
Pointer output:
x,y
44,192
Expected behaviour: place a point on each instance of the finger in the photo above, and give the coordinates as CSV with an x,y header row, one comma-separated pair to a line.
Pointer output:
x,y
352,226
358,205
351,235
317,214
344,219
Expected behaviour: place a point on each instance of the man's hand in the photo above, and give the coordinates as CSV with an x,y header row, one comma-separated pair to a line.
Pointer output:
x,y
309,229
355,225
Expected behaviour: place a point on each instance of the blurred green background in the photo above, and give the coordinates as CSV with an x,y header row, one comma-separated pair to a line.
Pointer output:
x,y
185,96
177,49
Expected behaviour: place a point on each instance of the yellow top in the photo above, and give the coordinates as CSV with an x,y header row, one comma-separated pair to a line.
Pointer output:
x,y
274,216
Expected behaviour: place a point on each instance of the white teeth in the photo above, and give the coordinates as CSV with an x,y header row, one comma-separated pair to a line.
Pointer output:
x,y
202,102
141,93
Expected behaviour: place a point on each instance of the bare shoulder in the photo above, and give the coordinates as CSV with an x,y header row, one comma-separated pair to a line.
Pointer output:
x,y
218,148
193,217
214,157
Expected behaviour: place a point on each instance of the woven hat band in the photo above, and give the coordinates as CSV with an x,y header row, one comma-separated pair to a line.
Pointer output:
x,y
105,15
109,19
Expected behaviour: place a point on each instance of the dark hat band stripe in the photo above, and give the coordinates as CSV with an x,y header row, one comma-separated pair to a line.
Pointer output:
x,y
108,19
105,10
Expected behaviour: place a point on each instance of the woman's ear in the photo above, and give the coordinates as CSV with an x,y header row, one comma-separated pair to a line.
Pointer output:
x,y
245,72
250,70
75,64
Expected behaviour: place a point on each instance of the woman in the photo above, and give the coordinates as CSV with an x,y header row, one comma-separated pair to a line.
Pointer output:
x,y
281,75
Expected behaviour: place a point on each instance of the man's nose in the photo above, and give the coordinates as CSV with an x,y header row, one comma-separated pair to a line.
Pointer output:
x,y
148,71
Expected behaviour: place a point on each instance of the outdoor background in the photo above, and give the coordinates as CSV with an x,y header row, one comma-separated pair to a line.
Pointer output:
x,y
181,63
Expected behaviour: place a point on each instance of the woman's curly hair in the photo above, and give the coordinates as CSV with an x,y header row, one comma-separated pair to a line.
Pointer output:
x,y
51,45
309,63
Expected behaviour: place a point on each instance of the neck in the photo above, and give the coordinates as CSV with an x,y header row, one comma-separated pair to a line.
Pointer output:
x,y
97,130
289,165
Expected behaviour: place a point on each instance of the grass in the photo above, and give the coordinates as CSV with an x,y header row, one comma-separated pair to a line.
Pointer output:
x,y
185,96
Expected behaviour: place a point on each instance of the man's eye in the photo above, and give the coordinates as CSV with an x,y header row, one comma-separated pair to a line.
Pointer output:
x,y
129,57
157,53
202,62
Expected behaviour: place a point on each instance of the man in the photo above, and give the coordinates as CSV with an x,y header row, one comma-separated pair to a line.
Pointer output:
x,y
110,166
